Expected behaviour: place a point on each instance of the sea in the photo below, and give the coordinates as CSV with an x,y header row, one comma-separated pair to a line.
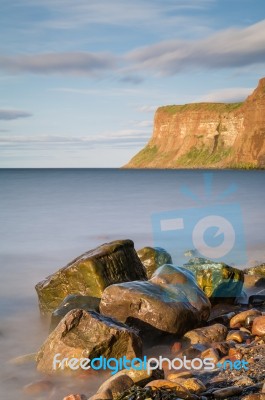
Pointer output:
x,y
50,216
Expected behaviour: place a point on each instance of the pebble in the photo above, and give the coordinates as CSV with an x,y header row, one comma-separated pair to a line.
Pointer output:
x,y
227,392
258,327
179,375
235,354
75,397
237,336
176,348
194,385
242,316
254,396
211,353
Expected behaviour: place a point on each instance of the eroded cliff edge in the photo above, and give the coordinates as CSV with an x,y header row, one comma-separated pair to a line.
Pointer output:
x,y
207,135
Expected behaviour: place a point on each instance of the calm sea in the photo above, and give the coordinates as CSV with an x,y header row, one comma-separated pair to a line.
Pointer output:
x,y
48,217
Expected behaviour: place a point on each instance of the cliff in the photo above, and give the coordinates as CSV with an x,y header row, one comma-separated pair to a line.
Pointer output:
x,y
207,135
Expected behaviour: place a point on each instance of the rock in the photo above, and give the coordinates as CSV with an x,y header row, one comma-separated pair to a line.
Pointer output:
x,y
179,390
38,387
221,347
82,334
179,375
227,392
194,351
258,270
106,395
219,281
176,347
211,353
257,300
139,376
242,316
235,354
75,397
208,334
163,304
116,385
194,385
258,327
90,273
153,258
237,336
254,396
87,303
244,381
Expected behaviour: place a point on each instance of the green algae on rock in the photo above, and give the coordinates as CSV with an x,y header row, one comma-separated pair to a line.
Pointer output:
x,y
152,258
82,334
219,281
90,273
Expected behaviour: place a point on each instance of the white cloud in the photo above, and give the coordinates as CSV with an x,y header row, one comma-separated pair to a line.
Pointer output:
x,y
227,95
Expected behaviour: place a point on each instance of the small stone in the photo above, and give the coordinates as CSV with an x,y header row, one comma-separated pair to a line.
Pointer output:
x,y
179,375
194,385
242,316
235,354
237,336
106,395
258,327
176,348
227,392
75,397
249,321
208,334
38,387
254,396
244,381
211,353
116,385
221,347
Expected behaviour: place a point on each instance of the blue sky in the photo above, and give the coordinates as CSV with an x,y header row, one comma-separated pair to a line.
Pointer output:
x,y
80,80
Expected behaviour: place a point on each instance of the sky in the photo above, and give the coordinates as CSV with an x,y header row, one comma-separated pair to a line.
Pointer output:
x,y
80,80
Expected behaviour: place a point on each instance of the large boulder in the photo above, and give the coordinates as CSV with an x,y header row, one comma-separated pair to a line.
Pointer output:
x,y
172,306
219,281
87,303
90,273
86,335
153,258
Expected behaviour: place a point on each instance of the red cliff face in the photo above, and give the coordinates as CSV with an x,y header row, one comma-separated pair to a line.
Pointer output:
x,y
207,135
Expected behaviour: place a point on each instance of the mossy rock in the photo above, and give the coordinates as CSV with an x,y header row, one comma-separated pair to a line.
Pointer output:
x,y
153,258
219,281
90,273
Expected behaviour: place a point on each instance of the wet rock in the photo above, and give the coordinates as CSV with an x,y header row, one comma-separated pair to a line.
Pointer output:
x,y
90,273
176,348
254,396
237,336
194,385
227,392
153,258
221,347
208,334
81,335
71,302
235,354
38,387
258,327
163,304
139,376
219,281
75,397
239,319
179,390
258,270
211,353
106,395
179,375
116,385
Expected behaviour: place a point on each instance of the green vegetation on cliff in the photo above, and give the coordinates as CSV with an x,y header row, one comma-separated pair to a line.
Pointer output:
x,y
203,157
218,107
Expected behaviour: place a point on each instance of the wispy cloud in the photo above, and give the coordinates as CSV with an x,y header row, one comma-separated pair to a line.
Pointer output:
x,y
147,109
75,63
226,49
8,115
124,137
227,95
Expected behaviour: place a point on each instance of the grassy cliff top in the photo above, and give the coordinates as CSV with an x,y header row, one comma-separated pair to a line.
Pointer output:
x,y
218,107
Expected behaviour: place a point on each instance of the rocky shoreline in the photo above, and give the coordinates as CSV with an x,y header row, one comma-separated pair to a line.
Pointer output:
x,y
115,303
